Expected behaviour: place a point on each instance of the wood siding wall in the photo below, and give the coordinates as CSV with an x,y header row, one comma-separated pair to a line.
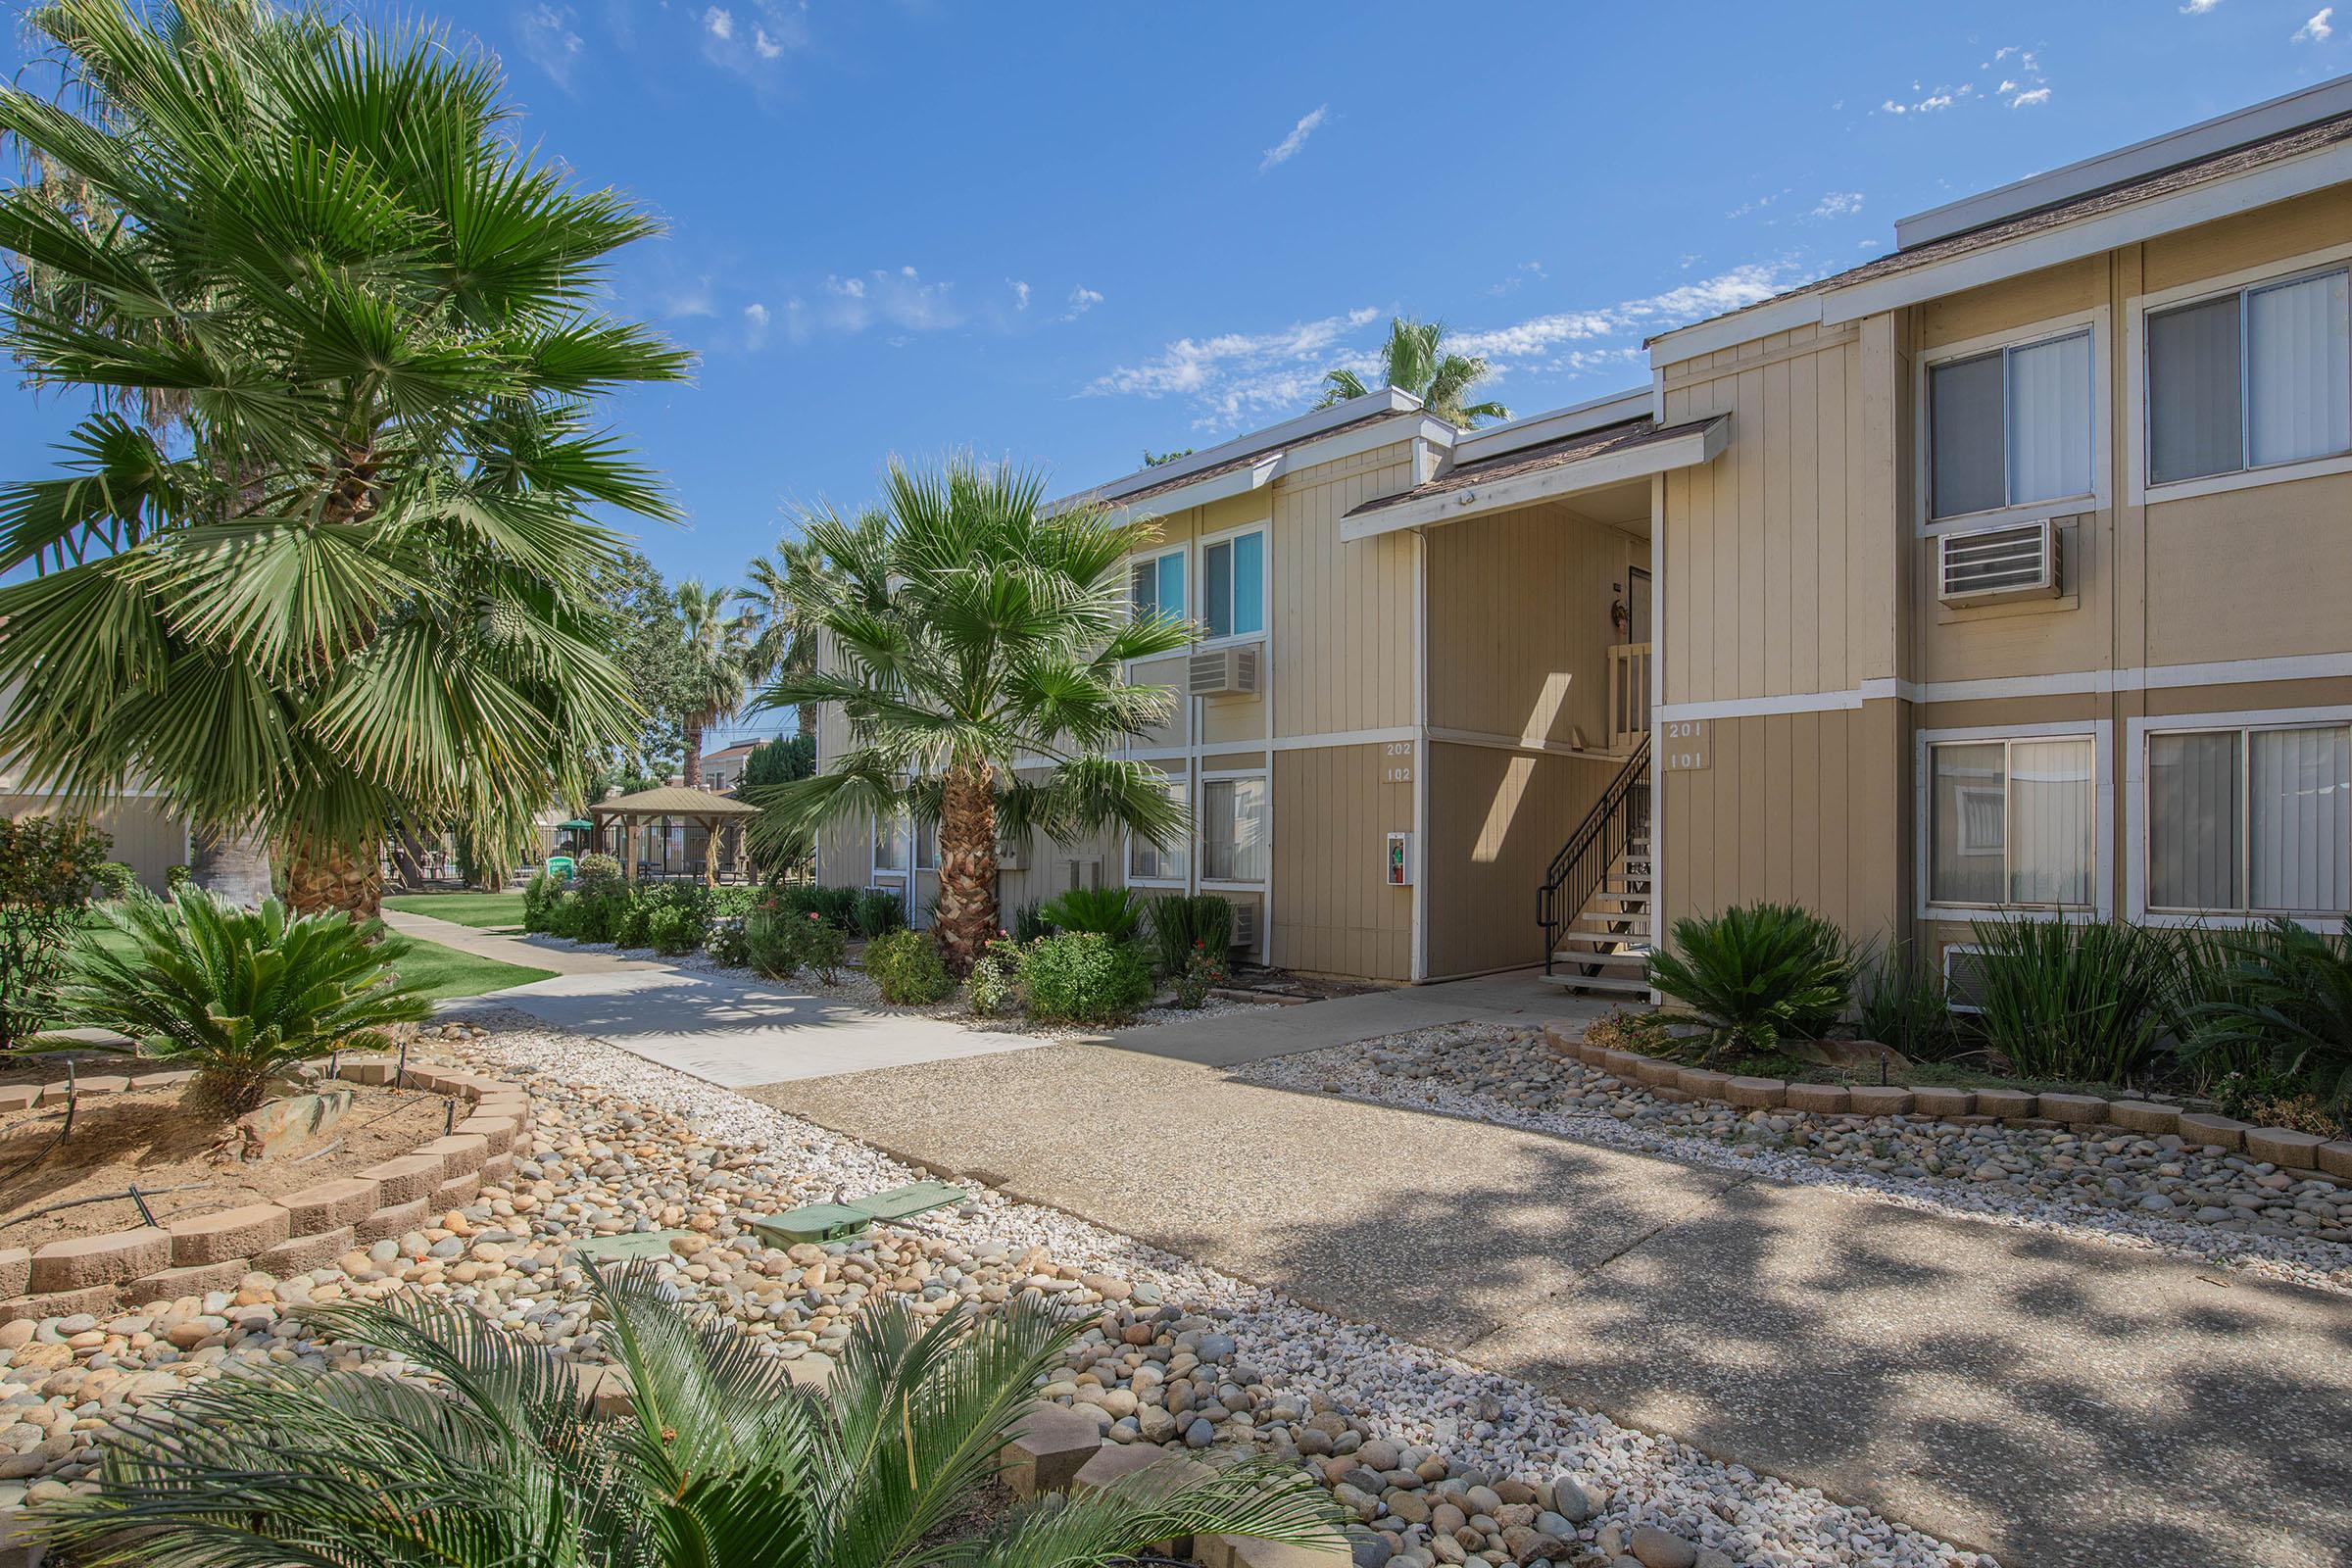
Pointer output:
x,y
1333,913
145,839
1504,815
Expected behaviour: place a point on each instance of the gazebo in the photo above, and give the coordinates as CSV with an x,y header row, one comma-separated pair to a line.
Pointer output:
x,y
712,812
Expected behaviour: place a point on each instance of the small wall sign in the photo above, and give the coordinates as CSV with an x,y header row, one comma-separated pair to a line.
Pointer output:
x,y
1682,746
1397,762
1399,871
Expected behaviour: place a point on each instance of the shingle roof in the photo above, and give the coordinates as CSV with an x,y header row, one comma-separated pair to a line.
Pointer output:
x,y
1241,460
2124,193
670,799
1603,442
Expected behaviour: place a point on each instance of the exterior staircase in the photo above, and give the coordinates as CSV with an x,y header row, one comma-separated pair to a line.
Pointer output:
x,y
1605,949
1604,873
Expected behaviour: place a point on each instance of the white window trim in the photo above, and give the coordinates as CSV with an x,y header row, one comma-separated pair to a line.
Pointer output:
x,y
2137,309
1177,778
2020,337
902,829
1265,610
1183,550
1210,775
2101,734
2138,819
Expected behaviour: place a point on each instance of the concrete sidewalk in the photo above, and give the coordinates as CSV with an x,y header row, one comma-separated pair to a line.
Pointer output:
x,y
1271,1030
2057,1403
724,1027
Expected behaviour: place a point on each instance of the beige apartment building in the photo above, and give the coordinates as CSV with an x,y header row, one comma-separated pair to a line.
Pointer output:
x,y
2006,572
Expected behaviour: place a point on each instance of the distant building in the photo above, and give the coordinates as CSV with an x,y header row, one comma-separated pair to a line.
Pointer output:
x,y
722,770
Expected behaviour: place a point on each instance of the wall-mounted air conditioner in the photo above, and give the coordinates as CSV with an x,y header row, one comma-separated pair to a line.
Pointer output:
x,y
1226,672
1008,854
1993,566
1963,977
1245,927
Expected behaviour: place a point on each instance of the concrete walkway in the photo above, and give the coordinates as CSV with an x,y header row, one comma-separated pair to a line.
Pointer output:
x,y
1268,1030
2057,1403
729,1029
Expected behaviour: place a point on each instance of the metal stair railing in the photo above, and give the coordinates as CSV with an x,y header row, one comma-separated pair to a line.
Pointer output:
x,y
1619,818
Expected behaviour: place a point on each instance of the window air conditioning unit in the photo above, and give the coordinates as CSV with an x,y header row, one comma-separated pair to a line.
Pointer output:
x,y
1009,854
1229,671
1963,977
1994,565
1245,927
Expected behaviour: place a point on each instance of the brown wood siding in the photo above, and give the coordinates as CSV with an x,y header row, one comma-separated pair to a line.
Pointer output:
x,y
1333,914
143,837
1341,618
1496,819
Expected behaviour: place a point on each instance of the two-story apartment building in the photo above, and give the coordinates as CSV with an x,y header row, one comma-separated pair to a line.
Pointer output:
x,y
2007,572
2024,580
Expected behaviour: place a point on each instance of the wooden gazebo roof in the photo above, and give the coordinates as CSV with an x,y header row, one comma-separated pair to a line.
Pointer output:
x,y
672,801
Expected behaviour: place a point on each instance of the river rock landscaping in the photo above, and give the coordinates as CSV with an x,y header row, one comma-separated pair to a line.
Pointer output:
x,y
2167,1190
1438,1462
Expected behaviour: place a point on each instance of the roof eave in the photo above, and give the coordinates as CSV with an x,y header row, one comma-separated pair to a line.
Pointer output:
x,y
1686,450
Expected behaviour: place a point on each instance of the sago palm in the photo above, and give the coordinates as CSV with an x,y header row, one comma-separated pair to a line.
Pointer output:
x,y
348,591
965,626
1757,974
717,666
242,995
725,1462
1414,360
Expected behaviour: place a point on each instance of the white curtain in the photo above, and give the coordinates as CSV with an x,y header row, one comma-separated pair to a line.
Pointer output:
x,y
2193,821
2053,807
2301,831
1233,830
2049,419
2299,368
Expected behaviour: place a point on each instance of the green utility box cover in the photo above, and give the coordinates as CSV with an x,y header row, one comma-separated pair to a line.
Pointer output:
x,y
629,1248
836,1222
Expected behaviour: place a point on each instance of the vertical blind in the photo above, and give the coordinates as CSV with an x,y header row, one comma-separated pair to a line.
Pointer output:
x,y
1965,435
2193,412
2254,821
2014,822
2299,369
2193,821
2049,419
1147,860
2300,788
1233,830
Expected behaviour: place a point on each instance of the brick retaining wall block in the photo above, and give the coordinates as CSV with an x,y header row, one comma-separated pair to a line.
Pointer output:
x,y
2144,1116
2076,1110
367,1069
2225,1131
102,1299
1047,1448
334,1205
1705,1081
303,1254
1758,1094
457,1191
16,1271
1655,1070
20,1096
1822,1099
231,1233
2336,1158
1870,1100
497,1170
173,1079
2009,1104
189,1279
459,1152
2282,1147
1943,1104
410,1176
83,1261
390,1222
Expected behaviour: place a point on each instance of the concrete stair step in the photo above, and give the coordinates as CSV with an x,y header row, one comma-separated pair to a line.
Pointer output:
x,y
1614,985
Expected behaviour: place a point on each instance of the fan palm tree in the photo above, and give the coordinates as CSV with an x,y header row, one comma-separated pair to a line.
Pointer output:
x,y
719,665
1414,360
968,626
725,1462
348,591
785,641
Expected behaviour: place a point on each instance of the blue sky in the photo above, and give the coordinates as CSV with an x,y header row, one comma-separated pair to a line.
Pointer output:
x,y
1062,234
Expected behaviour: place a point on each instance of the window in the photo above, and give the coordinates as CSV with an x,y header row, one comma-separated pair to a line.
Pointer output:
x,y
890,844
926,845
2010,427
1233,585
2251,820
2013,821
1157,584
2251,379
1233,830
1146,861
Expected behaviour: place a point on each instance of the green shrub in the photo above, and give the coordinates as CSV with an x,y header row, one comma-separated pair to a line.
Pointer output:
x,y
1183,926
732,903
1084,977
112,880
177,877
1902,1001
673,930
908,967
47,869
728,947
1757,974
2082,1002
768,942
995,983
594,871
878,913
2282,1011
670,918
822,947
539,897
1202,972
243,995
1113,912
836,906
1029,922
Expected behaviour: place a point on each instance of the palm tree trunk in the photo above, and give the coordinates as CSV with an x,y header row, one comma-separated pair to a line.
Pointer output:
x,y
804,721
233,864
967,865
693,770
346,878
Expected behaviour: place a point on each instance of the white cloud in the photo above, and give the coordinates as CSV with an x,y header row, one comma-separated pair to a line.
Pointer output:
x,y
900,299
2026,100
1838,203
2317,30
756,313
1283,151
2197,8
1020,293
692,301
1756,203
550,43
1082,299
720,22
755,324
767,47
1235,372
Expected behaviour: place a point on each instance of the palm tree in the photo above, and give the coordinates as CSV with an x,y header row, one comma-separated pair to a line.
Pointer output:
x,y
350,590
718,664
785,641
1414,360
966,625
724,1460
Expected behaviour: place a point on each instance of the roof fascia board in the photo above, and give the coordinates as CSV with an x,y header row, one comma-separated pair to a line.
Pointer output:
x,y
1688,449
1397,401
1259,474
1537,428
1217,487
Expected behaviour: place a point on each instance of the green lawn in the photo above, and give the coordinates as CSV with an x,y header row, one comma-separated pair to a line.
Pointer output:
x,y
445,972
484,911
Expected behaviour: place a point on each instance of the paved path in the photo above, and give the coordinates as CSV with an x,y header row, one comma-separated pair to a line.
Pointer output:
x,y
2058,1402
1230,1039
727,1028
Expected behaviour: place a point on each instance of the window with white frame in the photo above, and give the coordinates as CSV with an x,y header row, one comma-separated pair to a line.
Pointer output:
x,y
2010,427
926,845
1233,830
1157,584
1148,861
2251,820
2250,379
2013,821
1233,585
890,843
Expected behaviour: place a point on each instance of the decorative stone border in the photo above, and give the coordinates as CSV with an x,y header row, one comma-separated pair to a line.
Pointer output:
x,y
2307,1156
301,1231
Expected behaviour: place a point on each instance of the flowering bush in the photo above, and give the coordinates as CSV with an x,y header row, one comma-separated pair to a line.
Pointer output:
x,y
1202,972
995,983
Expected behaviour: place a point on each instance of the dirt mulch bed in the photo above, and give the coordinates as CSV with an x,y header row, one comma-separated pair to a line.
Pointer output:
x,y
159,1140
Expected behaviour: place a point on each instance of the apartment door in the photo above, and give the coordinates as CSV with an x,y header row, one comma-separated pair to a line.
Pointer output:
x,y
1636,604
